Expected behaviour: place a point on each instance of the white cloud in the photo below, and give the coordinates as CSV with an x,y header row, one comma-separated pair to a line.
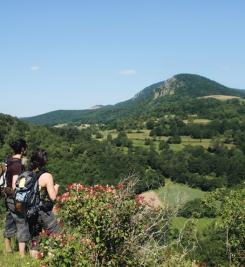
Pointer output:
x,y
128,72
34,68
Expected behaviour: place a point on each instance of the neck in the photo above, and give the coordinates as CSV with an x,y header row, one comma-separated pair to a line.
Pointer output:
x,y
17,156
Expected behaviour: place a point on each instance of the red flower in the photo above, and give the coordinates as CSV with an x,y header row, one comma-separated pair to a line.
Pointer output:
x,y
139,199
120,186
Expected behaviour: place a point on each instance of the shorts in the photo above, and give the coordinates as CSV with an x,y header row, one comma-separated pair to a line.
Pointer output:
x,y
10,226
44,220
23,233
15,223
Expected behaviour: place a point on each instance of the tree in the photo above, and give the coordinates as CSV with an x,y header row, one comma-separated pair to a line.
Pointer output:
x,y
174,139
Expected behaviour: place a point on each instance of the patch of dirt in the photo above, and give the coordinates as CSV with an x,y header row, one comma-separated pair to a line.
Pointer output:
x,y
152,199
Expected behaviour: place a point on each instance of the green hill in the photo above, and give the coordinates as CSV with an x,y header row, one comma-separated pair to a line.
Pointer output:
x,y
147,102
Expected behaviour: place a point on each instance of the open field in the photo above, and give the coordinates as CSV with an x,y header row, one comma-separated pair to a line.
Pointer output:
x,y
221,97
185,140
138,139
175,194
198,121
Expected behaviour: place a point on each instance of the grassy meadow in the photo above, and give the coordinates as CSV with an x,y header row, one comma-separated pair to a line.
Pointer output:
x,y
138,138
175,194
13,259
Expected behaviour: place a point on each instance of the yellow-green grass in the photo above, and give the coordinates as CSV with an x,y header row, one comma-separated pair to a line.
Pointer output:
x,y
138,139
185,140
143,134
221,97
13,259
198,121
113,133
175,194
201,224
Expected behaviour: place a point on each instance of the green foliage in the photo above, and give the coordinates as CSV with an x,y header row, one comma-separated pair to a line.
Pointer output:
x,y
211,249
103,226
197,208
122,140
99,135
174,139
231,223
163,145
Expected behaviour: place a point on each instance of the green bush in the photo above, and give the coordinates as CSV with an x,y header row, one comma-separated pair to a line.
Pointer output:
x,y
198,209
110,226
174,139
101,223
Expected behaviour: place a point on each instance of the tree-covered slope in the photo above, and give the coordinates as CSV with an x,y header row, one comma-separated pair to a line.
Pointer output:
x,y
173,90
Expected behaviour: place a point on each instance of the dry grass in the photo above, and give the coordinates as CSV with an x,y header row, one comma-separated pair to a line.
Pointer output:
x,y
197,121
221,97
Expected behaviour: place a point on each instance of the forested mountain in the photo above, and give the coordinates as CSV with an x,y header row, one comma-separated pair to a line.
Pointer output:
x,y
212,159
159,98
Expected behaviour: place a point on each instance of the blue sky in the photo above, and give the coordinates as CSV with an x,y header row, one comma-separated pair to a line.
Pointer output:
x,y
60,54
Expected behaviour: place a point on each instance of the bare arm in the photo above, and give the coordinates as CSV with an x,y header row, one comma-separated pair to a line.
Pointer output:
x,y
51,188
15,177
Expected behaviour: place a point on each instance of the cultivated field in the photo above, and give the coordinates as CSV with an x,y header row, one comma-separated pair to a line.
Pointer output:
x,y
221,97
138,138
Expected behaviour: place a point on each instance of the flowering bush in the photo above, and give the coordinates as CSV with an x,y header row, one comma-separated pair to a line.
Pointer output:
x,y
100,227
105,226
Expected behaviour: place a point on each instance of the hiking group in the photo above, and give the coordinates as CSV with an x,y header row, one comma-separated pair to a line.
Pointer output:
x,y
29,194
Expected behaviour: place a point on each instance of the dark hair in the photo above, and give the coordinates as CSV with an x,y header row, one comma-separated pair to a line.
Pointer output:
x,y
18,146
38,159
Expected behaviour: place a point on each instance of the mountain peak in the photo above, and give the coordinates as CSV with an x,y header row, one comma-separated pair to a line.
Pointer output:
x,y
184,84
174,89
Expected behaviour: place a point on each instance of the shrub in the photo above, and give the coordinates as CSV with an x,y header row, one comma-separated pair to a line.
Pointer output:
x,y
101,223
174,139
197,208
107,226
99,135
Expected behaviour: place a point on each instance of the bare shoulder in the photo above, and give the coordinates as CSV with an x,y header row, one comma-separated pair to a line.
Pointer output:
x,y
45,178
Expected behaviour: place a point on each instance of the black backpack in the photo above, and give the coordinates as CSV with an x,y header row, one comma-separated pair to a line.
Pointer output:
x,y
27,195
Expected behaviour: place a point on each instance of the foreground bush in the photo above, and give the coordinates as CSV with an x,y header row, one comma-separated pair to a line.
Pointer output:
x,y
108,226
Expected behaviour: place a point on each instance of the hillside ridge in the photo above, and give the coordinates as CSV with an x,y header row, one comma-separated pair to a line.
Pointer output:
x,y
180,85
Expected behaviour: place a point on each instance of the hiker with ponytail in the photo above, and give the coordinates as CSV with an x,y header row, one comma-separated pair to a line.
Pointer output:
x,y
48,190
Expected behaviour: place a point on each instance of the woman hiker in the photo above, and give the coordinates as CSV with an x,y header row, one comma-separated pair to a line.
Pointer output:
x,y
45,218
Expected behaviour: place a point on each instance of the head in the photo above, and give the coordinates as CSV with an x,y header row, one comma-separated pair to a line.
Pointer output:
x,y
19,146
38,159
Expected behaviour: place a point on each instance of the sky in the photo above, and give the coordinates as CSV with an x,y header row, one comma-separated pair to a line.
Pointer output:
x,y
74,54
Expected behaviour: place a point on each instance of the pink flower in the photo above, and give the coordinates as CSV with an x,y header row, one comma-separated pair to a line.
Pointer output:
x,y
139,199
120,186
